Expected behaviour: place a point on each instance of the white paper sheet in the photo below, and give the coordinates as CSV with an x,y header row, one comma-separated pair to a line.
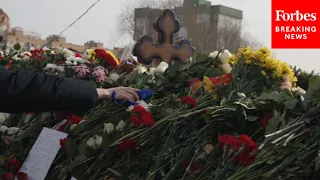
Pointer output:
x,y
42,154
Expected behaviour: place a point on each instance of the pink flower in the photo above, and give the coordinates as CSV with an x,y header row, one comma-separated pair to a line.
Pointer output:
x,y
81,70
100,73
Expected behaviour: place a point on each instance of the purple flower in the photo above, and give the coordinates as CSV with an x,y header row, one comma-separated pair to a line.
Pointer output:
x,y
100,73
81,70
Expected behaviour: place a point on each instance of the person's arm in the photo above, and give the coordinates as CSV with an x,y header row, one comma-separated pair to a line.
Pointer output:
x,y
23,91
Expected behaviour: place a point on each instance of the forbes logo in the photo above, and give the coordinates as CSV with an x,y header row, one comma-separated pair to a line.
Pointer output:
x,y
281,15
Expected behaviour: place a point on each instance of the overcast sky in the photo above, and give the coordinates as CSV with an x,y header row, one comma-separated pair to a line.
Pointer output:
x,y
51,17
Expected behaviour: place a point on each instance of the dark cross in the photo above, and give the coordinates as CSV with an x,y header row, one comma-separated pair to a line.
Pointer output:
x,y
147,50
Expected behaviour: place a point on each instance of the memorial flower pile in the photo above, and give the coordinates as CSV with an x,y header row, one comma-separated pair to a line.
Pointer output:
x,y
219,116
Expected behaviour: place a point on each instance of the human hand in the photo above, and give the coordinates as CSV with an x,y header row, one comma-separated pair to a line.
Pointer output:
x,y
121,93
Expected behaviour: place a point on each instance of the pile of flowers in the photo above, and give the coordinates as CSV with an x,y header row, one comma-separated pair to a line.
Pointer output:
x,y
220,116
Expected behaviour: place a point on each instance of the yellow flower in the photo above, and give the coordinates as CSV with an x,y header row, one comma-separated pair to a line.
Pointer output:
x,y
263,73
92,55
208,85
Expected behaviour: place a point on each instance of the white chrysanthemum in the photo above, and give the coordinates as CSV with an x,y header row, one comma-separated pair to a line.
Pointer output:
x,y
108,128
98,140
74,60
3,117
120,127
161,68
54,68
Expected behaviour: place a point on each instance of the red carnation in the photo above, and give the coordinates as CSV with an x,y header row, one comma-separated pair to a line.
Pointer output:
x,y
135,120
12,162
22,176
78,55
147,119
7,176
75,119
127,144
139,109
214,80
225,79
244,157
264,119
63,142
193,167
189,100
229,140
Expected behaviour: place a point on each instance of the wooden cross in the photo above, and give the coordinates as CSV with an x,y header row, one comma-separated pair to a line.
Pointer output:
x,y
147,50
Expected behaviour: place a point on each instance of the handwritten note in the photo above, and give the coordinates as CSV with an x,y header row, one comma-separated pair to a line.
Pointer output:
x,y
42,154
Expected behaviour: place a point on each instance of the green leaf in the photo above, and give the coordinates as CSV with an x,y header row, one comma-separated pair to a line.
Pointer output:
x,y
290,104
106,141
252,118
83,149
17,47
80,158
314,85
273,123
71,148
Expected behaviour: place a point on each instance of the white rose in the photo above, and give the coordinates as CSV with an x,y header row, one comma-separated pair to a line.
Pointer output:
x,y
73,127
91,142
225,56
108,128
3,128
151,71
130,108
226,68
141,69
13,130
161,68
120,127
3,117
213,54
98,140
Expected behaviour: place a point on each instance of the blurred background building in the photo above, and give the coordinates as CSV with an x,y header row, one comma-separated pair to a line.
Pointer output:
x,y
208,27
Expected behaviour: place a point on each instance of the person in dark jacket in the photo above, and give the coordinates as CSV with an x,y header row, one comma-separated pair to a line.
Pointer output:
x,y
24,91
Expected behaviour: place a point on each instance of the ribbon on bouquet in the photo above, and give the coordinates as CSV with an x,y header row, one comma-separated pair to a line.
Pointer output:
x,y
142,93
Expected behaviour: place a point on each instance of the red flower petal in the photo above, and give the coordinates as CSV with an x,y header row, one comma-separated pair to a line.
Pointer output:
x,y
22,176
147,119
127,144
63,142
189,100
135,120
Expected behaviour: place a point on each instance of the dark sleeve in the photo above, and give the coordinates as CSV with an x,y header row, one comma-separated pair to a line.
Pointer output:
x,y
23,91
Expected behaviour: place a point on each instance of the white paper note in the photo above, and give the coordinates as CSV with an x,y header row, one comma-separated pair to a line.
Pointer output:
x,y
42,154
